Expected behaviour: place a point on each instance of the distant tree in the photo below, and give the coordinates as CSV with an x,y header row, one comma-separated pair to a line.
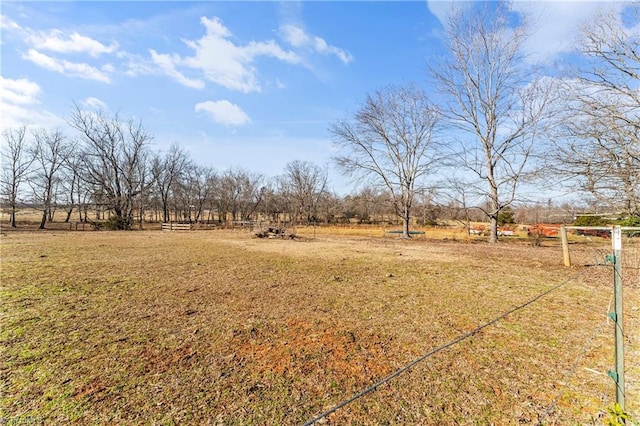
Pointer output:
x,y
50,152
202,187
493,97
250,187
390,144
69,195
16,161
305,183
166,171
274,202
142,199
329,207
598,147
225,195
239,192
112,151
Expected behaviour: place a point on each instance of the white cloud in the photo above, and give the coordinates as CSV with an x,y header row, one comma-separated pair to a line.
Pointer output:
x,y
166,63
224,112
21,91
442,9
294,35
70,69
556,26
135,65
18,100
6,24
94,103
55,41
297,37
221,61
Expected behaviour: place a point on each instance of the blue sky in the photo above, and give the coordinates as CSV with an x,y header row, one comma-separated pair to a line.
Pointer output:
x,y
238,84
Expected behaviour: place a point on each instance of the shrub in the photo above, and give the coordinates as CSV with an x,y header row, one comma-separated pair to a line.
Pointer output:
x,y
591,221
630,221
118,223
505,216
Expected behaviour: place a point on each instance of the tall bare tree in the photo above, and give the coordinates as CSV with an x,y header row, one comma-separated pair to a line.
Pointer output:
x,y
599,142
112,152
50,152
493,99
16,161
391,144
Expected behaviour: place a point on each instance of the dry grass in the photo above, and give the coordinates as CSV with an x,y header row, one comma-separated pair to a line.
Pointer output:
x,y
214,327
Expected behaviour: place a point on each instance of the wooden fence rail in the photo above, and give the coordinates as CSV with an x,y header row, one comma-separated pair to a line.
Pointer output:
x,y
176,226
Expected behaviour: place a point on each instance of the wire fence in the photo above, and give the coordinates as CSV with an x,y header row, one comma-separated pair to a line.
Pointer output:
x,y
453,342
631,281
596,331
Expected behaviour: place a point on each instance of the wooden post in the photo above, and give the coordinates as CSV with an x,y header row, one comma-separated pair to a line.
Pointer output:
x,y
565,246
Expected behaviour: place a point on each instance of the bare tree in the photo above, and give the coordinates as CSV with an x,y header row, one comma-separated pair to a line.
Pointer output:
x,y
112,152
391,144
166,171
367,205
69,195
599,142
15,167
493,98
304,183
273,201
50,151
202,188
250,193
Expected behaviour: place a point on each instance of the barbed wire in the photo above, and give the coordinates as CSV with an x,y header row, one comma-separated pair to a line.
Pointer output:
x,y
441,348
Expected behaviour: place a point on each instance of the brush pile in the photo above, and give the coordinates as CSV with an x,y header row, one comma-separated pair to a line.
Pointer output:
x,y
272,232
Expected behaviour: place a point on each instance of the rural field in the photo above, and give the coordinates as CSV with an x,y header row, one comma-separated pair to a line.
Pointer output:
x,y
218,327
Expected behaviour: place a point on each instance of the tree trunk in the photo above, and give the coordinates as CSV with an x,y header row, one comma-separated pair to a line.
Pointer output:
x,y
406,219
43,220
493,229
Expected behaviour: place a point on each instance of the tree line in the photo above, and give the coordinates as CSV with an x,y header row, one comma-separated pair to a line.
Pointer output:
x,y
499,123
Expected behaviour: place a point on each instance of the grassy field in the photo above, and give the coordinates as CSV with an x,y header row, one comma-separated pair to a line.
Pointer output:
x,y
217,327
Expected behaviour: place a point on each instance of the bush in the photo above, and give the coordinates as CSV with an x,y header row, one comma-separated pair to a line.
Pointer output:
x,y
633,221
118,223
629,221
591,221
505,216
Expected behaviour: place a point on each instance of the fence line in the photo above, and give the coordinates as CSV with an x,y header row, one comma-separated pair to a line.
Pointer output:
x,y
440,348
170,226
583,351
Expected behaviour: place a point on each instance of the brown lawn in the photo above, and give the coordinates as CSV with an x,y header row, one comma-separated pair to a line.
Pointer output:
x,y
216,327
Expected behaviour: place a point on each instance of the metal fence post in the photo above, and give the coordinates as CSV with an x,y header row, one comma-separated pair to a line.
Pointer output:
x,y
618,375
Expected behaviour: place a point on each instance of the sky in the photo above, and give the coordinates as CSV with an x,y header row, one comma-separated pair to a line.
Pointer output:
x,y
237,84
